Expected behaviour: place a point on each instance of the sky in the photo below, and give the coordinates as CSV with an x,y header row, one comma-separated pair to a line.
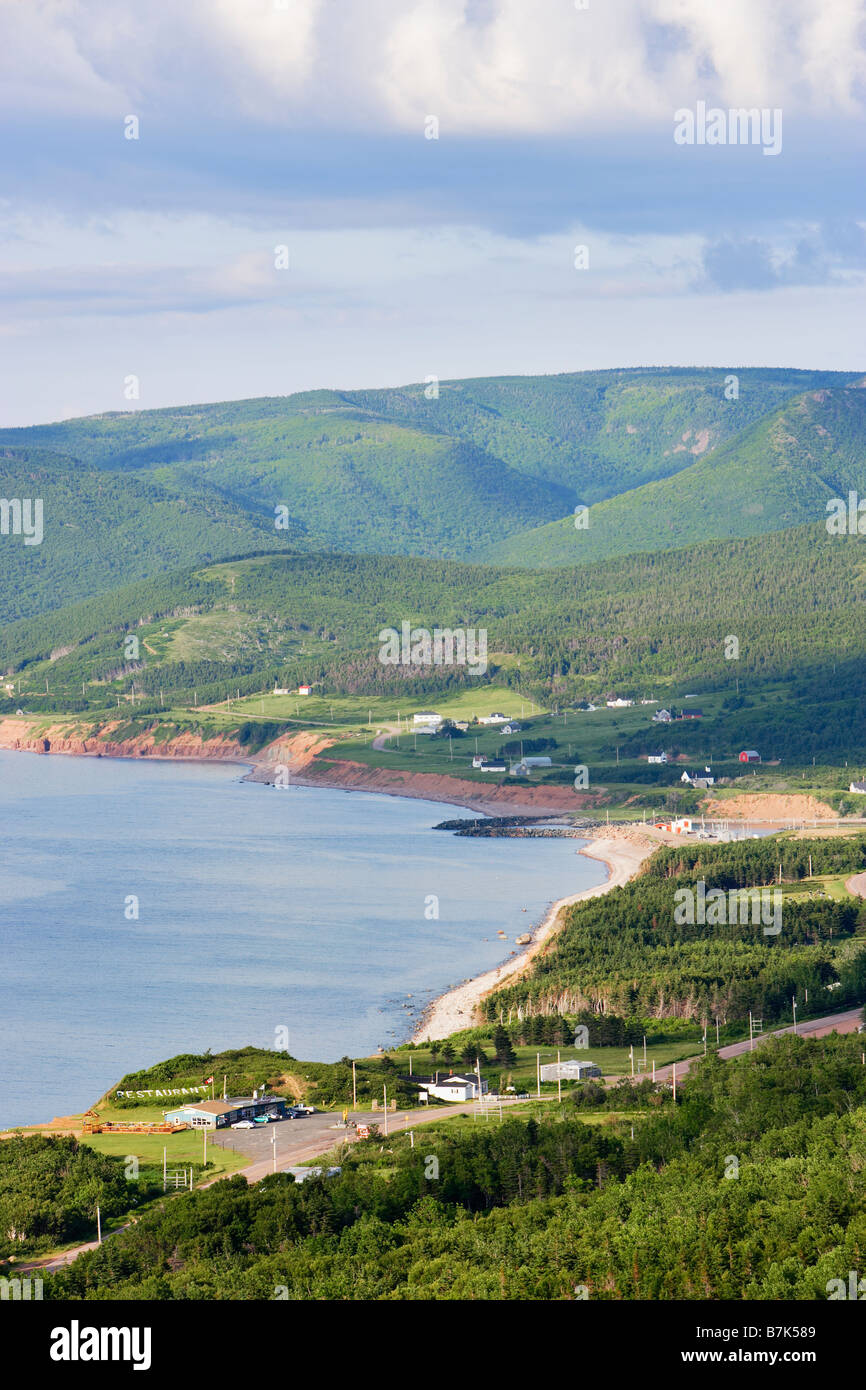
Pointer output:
x,y
235,198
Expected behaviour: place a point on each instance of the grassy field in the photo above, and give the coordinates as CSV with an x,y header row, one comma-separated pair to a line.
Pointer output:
x,y
614,1061
182,1150
375,712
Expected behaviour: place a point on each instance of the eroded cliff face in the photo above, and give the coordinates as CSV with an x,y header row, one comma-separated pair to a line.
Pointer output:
x,y
297,753
518,799
38,736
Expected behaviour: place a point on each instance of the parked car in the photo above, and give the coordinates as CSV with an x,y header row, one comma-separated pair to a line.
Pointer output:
x,y
243,1124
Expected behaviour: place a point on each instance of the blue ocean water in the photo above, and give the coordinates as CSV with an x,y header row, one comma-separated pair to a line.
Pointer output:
x,y
259,909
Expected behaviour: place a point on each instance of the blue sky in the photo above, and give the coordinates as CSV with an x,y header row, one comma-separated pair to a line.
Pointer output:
x,y
301,123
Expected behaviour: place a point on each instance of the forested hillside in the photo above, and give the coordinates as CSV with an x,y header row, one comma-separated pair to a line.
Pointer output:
x,y
627,953
553,1208
600,433
103,530
489,469
775,473
794,600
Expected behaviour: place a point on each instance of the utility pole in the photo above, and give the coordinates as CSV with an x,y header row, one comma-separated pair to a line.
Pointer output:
x,y
98,1225
204,1137
794,1003
385,1094
354,1089
675,1081
538,1074
274,1145
559,1078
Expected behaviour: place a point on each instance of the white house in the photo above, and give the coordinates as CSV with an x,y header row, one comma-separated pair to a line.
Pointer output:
x,y
454,1088
519,770
662,716
305,690
427,718
493,719
281,690
619,703
485,765
681,826
859,787
657,757
510,729
571,1070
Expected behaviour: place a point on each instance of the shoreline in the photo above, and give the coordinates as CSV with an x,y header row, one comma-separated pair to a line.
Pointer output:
x,y
455,1010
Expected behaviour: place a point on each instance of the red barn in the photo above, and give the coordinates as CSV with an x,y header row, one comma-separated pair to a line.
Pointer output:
x,y
750,756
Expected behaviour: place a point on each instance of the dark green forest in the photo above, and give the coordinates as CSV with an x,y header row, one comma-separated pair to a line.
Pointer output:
x,y
626,953
750,1186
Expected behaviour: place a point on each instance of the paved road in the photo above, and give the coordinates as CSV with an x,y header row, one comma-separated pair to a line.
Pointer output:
x,y
54,1262
300,1140
815,1028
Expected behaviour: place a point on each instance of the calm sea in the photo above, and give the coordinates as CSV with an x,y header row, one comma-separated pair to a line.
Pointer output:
x,y
258,909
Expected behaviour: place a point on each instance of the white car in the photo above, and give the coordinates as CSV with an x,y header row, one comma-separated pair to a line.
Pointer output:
x,y
243,1124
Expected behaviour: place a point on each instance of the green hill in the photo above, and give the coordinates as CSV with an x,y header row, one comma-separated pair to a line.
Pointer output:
x,y
640,625
105,529
353,481
777,473
599,433
472,473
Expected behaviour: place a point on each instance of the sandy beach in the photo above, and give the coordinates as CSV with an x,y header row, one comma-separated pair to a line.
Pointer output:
x,y
623,853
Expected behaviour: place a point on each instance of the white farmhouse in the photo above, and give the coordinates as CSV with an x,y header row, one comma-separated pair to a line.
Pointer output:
x,y
427,719
453,1088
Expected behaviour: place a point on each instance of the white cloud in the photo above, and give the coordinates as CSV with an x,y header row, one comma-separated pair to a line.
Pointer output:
x,y
507,67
